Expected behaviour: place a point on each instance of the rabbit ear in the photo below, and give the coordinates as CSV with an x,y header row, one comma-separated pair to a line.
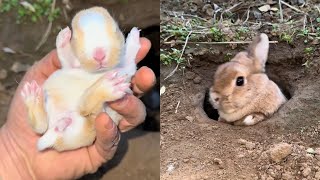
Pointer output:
x,y
258,50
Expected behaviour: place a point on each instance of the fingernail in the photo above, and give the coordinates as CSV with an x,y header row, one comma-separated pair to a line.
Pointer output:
x,y
110,125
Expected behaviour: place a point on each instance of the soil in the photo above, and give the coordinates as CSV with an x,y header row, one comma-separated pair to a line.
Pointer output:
x,y
194,146
138,153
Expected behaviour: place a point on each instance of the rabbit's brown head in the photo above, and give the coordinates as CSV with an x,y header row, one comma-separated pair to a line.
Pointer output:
x,y
237,82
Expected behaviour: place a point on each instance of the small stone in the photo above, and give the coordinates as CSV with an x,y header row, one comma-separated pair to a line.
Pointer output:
x,y
250,145
3,74
193,8
280,151
306,171
270,178
208,9
220,173
186,160
190,75
317,175
18,67
209,128
170,168
190,118
287,176
217,161
197,80
310,151
242,141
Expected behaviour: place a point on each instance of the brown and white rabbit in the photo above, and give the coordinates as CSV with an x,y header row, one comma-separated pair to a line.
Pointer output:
x,y
242,92
97,66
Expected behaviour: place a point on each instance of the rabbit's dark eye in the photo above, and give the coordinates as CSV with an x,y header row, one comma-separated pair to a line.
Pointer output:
x,y
240,81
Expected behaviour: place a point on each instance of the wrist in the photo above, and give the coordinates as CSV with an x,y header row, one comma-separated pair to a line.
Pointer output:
x,y
13,164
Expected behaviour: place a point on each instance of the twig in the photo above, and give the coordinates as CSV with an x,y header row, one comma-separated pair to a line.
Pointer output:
x,y
312,27
65,14
217,43
248,15
184,47
318,9
281,13
304,22
232,7
177,107
190,15
228,10
46,34
175,14
292,7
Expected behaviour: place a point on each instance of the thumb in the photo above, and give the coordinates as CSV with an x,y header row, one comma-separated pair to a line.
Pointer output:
x,y
107,136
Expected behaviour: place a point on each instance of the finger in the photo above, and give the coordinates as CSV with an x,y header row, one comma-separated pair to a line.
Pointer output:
x,y
107,132
144,49
132,109
143,80
46,66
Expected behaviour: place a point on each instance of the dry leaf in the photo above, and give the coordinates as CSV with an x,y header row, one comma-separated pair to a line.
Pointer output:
x,y
264,8
162,90
8,50
28,6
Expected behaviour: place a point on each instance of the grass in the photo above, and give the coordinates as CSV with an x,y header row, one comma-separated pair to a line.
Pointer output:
x,y
309,52
168,57
232,28
33,11
286,37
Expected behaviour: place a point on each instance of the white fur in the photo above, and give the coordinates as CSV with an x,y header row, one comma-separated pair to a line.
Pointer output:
x,y
132,47
65,54
262,49
93,25
47,140
249,120
212,97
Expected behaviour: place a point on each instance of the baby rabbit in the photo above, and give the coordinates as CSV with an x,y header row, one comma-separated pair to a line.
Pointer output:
x,y
242,92
97,66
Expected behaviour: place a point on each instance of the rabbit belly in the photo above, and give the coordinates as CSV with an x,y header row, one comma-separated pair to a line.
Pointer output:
x,y
63,91
67,129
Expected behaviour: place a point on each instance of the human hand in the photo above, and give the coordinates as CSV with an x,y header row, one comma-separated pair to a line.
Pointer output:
x,y
17,135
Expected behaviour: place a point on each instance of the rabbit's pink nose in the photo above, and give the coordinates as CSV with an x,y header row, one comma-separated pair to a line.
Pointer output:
x,y
99,54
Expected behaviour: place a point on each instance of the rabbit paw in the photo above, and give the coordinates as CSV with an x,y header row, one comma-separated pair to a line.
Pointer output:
x,y
116,85
63,37
31,93
32,96
250,120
